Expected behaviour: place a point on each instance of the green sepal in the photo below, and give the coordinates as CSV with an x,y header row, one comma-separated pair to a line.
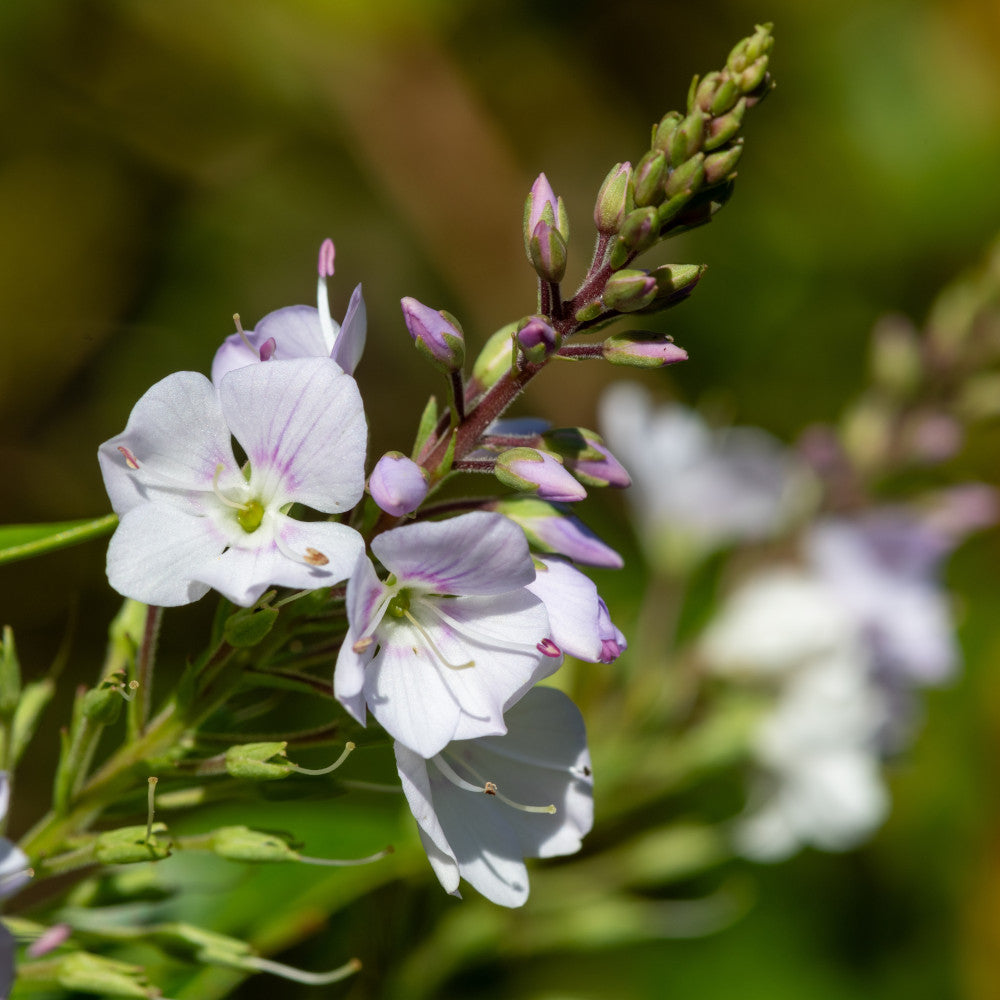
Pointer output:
x,y
496,358
253,761
588,312
428,421
82,972
444,466
574,443
247,627
103,704
240,843
128,845
34,699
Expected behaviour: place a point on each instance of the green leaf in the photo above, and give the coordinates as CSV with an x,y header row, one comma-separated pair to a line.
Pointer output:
x,y
24,541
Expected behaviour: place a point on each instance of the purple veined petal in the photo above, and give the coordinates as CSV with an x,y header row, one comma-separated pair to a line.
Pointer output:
x,y
350,342
574,610
303,428
158,553
176,433
476,554
243,573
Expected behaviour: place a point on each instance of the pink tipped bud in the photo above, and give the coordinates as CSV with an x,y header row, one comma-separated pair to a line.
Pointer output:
x,y
397,484
436,334
537,339
642,350
548,648
587,457
539,472
327,253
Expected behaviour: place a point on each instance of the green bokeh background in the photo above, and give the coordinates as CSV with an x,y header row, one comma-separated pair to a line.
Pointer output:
x,y
165,164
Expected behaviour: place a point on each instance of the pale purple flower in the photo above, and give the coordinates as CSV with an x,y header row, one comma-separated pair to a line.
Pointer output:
x,y
451,639
397,484
581,624
15,873
301,331
192,519
484,805
696,489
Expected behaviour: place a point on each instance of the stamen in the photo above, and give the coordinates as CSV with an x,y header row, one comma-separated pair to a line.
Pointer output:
x,y
548,648
490,788
362,644
348,863
267,349
128,695
150,807
300,975
325,268
130,459
430,642
315,558
312,557
348,747
243,336
218,492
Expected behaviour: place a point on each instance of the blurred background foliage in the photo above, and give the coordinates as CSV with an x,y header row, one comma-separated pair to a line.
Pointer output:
x,y
163,165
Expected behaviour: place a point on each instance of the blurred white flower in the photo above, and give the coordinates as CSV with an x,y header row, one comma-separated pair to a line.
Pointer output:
x,y
696,489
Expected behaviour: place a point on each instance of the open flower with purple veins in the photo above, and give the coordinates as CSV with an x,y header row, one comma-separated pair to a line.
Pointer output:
x,y
191,518
451,639
484,805
300,331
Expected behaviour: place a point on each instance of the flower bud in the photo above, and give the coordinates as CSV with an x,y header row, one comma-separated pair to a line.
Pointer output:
x,y
720,166
663,133
648,180
130,845
629,290
253,761
673,278
547,252
528,469
83,972
551,529
436,334
702,91
612,199
642,350
584,453
689,176
537,339
10,674
496,357
397,484
639,230
725,97
687,137
240,843
721,130
543,205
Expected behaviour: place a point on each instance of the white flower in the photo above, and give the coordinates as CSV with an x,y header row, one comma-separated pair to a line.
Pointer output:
x,y
191,519
451,639
696,489
484,805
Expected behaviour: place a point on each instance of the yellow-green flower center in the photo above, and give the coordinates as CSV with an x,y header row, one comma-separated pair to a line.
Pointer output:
x,y
399,605
250,515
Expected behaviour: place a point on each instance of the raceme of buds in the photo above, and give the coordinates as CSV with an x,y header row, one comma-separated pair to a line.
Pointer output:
x,y
613,199
642,350
537,339
397,484
528,469
437,334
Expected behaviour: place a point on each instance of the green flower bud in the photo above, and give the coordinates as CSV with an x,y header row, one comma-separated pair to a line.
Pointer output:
x,y
663,133
247,627
687,139
10,675
639,230
81,972
547,252
648,180
726,96
240,843
496,357
253,761
666,212
673,278
721,130
128,845
103,704
720,166
689,176
753,76
702,92
612,199
629,290
642,350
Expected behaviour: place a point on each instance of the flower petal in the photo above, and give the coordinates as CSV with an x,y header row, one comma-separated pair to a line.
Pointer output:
x,y
303,428
479,553
574,608
350,342
176,432
158,552
243,573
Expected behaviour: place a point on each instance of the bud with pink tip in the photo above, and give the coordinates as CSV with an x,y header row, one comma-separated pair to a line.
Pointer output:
x,y
642,350
437,334
538,472
397,484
